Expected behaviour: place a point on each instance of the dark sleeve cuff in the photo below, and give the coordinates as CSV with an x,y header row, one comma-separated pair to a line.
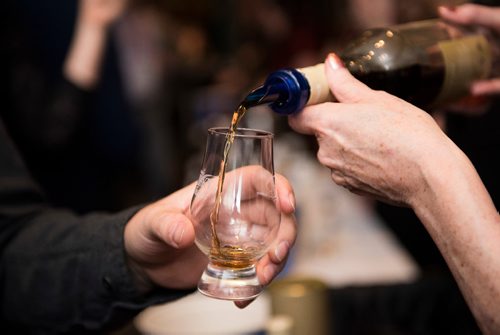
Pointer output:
x,y
64,273
121,297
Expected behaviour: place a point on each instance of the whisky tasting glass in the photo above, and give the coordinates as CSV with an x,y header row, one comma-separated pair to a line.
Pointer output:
x,y
240,232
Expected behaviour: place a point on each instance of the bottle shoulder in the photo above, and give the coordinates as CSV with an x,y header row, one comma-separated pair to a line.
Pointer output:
x,y
379,50
395,47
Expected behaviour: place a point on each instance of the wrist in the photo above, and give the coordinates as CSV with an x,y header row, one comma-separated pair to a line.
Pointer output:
x,y
450,190
142,281
439,172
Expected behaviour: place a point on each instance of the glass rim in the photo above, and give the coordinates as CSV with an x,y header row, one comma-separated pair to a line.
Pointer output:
x,y
242,132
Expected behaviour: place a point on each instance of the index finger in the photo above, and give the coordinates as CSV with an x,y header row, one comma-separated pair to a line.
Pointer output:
x,y
310,118
322,118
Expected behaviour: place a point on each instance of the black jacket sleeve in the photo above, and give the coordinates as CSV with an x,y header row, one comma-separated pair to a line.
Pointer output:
x,y
60,272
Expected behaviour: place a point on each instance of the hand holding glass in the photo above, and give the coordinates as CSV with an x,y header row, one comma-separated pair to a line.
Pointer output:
x,y
236,229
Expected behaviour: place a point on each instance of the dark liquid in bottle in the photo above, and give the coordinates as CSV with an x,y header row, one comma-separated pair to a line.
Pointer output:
x,y
418,84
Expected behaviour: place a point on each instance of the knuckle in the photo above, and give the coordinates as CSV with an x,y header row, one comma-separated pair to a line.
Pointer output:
x,y
338,179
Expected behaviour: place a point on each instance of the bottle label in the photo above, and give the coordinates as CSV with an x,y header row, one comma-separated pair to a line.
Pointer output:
x,y
466,59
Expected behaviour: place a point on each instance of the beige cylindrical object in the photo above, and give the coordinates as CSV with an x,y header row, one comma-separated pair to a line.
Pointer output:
x,y
305,300
318,84
280,325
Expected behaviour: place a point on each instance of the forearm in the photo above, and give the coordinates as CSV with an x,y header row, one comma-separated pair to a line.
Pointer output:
x,y
460,216
53,262
60,271
82,65
87,48
66,273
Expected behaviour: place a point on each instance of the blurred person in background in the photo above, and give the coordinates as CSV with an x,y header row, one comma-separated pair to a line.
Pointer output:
x,y
66,268
109,100
53,77
378,145
85,99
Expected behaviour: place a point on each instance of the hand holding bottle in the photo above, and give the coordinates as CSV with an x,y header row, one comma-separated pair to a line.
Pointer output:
x,y
488,17
377,144
428,63
374,143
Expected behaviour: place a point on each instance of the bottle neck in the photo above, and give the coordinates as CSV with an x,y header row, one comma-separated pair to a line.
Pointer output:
x,y
265,94
286,91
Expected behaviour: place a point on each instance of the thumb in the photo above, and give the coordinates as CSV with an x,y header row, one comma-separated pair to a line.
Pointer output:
x,y
343,85
174,229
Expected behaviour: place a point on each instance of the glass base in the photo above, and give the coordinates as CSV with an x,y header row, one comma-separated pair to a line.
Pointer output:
x,y
230,284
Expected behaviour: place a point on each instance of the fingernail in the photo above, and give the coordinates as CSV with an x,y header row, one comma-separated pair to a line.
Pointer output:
x,y
291,199
268,273
334,62
177,234
281,250
448,8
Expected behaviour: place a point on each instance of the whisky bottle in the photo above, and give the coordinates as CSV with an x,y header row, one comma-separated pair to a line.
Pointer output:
x,y
427,63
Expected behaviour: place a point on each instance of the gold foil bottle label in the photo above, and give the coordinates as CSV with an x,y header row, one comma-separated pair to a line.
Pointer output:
x,y
466,59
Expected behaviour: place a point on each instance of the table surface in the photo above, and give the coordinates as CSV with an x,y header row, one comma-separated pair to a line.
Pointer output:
x,y
356,250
